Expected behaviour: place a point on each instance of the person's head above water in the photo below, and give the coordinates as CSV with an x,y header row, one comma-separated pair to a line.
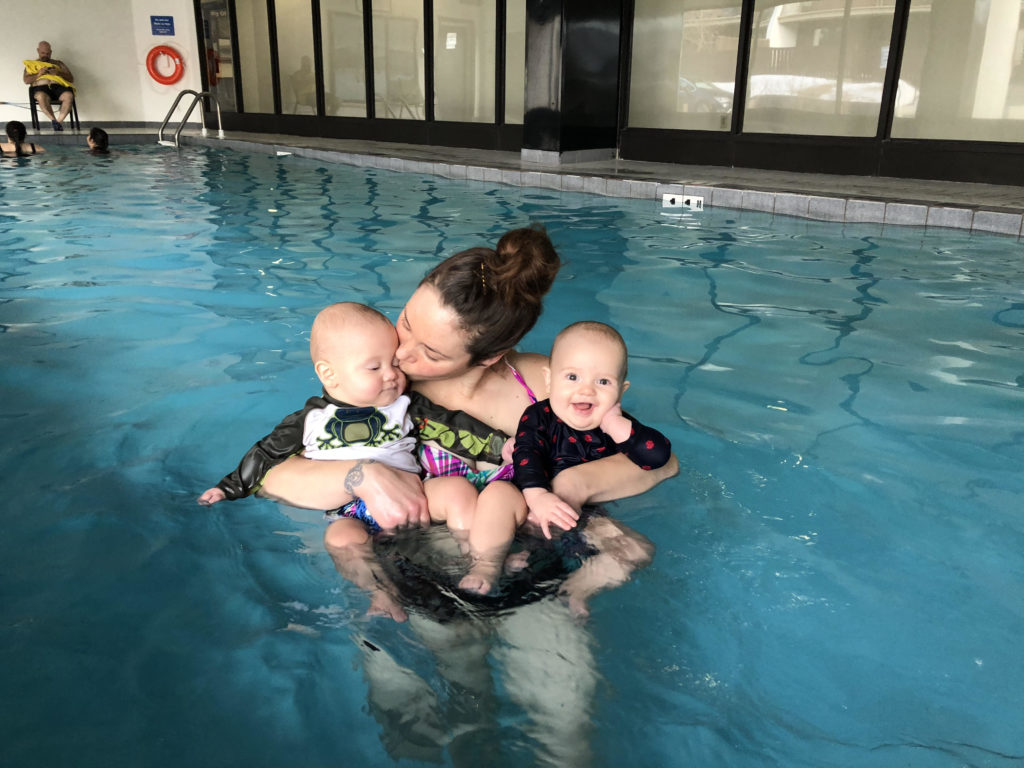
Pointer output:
x,y
98,140
475,306
587,373
353,351
15,131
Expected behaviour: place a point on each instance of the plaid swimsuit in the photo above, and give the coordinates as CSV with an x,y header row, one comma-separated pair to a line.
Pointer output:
x,y
438,462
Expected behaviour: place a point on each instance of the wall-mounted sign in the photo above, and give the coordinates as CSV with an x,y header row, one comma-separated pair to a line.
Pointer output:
x,y
162,25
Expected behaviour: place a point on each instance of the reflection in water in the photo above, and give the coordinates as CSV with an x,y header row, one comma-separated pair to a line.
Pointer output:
x,y
522,641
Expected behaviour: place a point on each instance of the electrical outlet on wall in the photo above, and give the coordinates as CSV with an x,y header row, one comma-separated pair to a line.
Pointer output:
x,y
693,202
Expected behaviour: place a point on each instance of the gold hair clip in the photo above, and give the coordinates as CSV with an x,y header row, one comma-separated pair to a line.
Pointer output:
x,y
483,280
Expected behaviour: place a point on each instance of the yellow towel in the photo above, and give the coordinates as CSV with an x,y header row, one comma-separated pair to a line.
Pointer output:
x,y
33,66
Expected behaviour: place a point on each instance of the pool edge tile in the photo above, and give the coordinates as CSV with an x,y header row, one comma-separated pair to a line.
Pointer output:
x,y
726,197
753,200
791,204
595,185
950,218
865,211
996,222
906,214
826,208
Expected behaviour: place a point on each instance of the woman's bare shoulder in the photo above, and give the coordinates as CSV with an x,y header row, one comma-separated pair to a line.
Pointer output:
x,y
531,365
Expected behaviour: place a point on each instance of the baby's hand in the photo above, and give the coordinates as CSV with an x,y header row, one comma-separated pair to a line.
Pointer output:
x,y
615,425
507,449
211,497
547,508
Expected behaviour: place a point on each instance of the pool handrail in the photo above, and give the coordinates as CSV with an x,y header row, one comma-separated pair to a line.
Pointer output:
x,y
196,96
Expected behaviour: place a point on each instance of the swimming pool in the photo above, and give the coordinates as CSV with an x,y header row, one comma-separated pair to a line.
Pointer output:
x,y
837,581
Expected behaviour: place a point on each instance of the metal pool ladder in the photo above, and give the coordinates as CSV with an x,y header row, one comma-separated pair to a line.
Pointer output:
x,y
196,96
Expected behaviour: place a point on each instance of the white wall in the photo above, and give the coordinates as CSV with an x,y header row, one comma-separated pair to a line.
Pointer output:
x,y
105,45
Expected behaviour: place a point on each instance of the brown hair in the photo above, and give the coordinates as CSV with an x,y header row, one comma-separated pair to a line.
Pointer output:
x,y
498,293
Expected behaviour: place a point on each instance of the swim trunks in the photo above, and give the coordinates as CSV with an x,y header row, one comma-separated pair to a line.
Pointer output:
x,y
356,510
53,90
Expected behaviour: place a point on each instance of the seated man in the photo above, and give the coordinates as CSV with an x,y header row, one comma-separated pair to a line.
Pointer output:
x,y
50,80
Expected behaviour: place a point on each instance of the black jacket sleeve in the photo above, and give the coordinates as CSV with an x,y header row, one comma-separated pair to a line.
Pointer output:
x,y
284,441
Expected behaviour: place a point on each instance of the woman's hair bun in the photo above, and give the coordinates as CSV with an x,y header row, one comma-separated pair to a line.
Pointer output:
x,y
498,294
523,265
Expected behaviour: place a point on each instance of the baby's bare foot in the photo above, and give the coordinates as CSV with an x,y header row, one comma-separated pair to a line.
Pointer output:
x,y
475,583
515,562
578,607
382,604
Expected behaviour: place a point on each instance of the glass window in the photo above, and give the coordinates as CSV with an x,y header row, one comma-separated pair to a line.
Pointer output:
x,y
515,61
398,59
254,55
341,22
683,69
818,67
220,72
295,56
464,33
962,74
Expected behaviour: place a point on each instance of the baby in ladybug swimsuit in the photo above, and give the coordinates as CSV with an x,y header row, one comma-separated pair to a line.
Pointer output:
x,y
582,419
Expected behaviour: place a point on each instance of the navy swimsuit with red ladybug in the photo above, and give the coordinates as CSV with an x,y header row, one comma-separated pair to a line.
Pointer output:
x,y
545,445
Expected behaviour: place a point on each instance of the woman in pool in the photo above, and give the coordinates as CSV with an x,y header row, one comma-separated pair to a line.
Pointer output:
x,y
457,338
457,335
16,145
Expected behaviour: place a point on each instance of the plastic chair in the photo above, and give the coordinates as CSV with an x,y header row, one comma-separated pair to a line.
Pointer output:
x,y
72,118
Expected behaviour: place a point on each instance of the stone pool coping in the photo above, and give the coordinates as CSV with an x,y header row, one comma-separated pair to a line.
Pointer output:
x,y
820,207
984,208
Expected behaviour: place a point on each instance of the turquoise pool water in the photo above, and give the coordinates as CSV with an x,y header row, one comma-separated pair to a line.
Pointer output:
x,y
839,564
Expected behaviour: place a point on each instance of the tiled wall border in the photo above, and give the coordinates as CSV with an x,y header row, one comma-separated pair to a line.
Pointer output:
x,y
808,206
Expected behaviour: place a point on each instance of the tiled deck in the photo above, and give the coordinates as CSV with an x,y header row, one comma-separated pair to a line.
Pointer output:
x,y
987,208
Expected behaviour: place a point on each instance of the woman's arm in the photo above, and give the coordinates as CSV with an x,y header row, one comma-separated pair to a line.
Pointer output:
x,y
615,477
392,497
621,550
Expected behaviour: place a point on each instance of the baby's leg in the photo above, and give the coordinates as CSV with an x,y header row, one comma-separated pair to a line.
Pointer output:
x,y
451,500
500,509
348,543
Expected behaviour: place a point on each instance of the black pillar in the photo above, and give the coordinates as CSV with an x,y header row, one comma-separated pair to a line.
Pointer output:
x,y
572,78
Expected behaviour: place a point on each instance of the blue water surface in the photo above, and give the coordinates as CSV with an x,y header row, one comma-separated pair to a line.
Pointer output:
x,y
839,562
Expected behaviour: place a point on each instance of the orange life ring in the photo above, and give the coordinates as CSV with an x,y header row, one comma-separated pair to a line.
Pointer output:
x,y
179,65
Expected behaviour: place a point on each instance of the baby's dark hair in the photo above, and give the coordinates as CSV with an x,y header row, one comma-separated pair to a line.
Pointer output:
x,y
16,133
498,294
100,139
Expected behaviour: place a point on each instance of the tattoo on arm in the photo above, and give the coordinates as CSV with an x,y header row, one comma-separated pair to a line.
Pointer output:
x,y
354,477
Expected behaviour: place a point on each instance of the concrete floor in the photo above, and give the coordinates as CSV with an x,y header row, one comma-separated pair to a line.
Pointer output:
x,y
987,208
